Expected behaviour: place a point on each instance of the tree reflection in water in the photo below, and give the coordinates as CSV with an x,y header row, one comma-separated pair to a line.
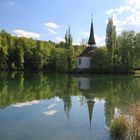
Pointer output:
x,y
117,91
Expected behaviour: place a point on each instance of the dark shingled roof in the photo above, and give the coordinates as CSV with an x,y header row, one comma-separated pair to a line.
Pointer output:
x,y
87,51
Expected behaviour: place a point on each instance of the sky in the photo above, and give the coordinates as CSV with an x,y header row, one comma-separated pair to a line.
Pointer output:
x,y
49,19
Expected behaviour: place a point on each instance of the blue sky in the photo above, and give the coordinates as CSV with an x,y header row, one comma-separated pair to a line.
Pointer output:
x,y
49,19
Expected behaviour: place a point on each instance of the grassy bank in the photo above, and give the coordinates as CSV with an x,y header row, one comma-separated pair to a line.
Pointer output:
x,y
127,128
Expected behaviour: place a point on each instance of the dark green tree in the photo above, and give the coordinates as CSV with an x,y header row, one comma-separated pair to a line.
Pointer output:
x,y
111,40
3,60
19,55
68,38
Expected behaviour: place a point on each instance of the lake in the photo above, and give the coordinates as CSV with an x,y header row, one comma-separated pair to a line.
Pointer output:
x,y
63,107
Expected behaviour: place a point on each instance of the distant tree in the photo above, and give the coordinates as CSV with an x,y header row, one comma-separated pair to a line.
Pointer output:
x,y
28,53
68,38
61,44
19,54
84,42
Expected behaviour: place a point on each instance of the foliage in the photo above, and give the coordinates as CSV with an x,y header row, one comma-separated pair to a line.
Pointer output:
x,y
120,55
127,128
110,35
3,60
119,128
101,60
135,120
68,38
122,58
19,53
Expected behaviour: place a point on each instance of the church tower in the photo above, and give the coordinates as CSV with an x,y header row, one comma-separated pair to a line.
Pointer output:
x,y
84,59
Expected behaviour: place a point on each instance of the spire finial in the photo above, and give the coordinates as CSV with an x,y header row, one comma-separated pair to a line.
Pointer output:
x,y
91,17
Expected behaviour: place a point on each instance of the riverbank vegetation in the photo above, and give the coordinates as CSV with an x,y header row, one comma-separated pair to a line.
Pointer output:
x,y
120,55
127,128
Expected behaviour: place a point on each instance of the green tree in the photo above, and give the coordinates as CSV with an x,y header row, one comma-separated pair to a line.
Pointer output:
x,y
101,60
137,50
37,60
111,40
3,60
68,38
19,54
126,54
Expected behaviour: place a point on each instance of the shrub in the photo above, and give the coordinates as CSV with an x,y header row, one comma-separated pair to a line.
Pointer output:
x,y
119,128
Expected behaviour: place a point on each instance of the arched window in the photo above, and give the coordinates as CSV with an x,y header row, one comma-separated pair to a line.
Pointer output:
x,y
79,61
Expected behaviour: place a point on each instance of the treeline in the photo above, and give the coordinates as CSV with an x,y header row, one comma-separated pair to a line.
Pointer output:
x,y
121,53
19,53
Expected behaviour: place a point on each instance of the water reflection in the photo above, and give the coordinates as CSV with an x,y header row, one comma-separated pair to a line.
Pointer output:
x,y
99,97
84,83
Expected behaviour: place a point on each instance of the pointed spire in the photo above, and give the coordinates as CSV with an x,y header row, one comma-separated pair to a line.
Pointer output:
x,y
91,40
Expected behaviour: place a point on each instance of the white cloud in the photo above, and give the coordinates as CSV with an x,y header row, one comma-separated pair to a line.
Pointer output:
x,y
116,21
86,34
11,2
120,10
27,34
52,31
26,103
100,40
127,16
59,39
132,20
51,25
134,3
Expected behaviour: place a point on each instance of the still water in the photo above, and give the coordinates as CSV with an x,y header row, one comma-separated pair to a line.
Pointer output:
x,y
63,107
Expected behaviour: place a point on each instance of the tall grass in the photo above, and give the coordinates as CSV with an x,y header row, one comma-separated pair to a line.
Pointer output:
x,y
119,128
123,128
135,120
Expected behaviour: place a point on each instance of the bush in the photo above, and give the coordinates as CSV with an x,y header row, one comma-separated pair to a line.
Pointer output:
x,y
119,128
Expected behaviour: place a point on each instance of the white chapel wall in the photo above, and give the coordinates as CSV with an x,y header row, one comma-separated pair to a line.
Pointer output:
x,y
83,62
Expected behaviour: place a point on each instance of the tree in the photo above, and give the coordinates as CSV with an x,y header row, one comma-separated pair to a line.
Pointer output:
x,y
137,50
68,38
126,54
3,60
101,61
84,42
111,40
19,55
